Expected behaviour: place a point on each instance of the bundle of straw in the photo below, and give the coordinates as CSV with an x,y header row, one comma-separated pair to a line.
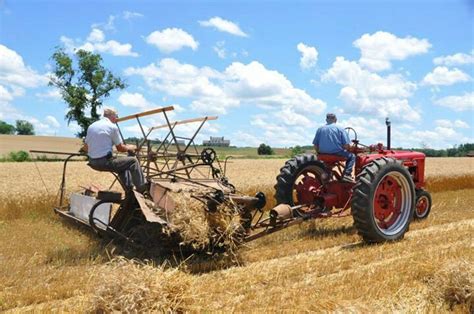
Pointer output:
x,y
199,227
133,287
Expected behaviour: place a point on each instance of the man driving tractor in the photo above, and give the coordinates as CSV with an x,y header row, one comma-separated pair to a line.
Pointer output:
x,y
101,136
332,139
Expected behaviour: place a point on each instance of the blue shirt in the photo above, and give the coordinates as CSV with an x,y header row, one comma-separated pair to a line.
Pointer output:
x,y
331,138
100,138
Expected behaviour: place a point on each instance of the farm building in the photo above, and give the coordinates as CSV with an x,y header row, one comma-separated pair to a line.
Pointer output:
x,y
216,141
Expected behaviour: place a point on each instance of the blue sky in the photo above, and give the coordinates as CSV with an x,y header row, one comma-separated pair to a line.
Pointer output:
x,y
269,70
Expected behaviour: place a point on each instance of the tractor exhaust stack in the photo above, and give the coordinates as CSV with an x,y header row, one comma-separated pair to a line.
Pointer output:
x,y
388,124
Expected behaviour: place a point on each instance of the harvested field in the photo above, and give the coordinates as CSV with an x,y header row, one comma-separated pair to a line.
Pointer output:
x,y
36,142
318,266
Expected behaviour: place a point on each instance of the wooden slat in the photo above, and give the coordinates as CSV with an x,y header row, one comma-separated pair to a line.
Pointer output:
x,y
184,122
145,113
56,153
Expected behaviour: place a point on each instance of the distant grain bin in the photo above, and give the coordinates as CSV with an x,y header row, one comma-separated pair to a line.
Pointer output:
x,y
216,141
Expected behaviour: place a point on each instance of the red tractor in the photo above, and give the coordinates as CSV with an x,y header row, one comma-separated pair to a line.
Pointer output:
x,y
387,194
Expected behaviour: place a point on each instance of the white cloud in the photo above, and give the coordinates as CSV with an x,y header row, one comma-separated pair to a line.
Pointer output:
x,y
128,15
5,96
450,124
220,49
309,56
456,59
439,137
239,84
444,76
270,131
224,26
74,127
133,100
108,26
115,48
52,122
7,111
241,138
96,35
214,106
14,74
181,80
461,124
378,49
367,92
222,52
458,103
372,131
53,94
112,19
178,108
267,88
369,130
96,42
171,39
15,78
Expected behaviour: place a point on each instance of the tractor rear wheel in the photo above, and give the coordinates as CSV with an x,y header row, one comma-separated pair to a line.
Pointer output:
x,y
383,201
297,178
423,204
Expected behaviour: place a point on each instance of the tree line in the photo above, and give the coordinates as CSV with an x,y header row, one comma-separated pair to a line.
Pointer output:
x,y
21,127
457,151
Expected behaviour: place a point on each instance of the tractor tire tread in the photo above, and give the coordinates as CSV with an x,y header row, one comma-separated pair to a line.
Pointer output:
x,y
289,173
361,201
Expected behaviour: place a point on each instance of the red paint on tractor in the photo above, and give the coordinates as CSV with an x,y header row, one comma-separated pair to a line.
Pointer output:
x,y
422,205
307,189
342,190
387,202
414,161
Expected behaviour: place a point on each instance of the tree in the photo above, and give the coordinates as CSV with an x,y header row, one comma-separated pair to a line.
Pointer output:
x,y
297,150
84,87
24,127
6,128
265,150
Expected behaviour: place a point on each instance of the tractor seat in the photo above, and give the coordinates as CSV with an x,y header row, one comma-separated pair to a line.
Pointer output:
x,y
330,159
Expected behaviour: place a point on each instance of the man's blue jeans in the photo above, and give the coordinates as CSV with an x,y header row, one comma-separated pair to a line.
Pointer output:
x,y
128,169
350,161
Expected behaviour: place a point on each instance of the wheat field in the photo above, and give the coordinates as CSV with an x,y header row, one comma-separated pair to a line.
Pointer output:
x,y
320,266
38,142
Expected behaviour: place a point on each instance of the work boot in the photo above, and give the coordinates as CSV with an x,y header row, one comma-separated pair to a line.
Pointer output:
x,y
144,189
347,178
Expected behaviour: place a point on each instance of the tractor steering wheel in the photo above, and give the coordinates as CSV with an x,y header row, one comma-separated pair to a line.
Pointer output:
x,y
355,141
348,130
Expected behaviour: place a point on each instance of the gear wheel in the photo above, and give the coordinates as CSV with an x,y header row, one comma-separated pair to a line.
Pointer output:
x,y
208,156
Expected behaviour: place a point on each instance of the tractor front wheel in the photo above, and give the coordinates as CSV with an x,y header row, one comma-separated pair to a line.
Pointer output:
x,y
383,202
423,204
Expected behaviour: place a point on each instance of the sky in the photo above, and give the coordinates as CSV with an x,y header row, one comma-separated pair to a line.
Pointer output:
x,y
270,70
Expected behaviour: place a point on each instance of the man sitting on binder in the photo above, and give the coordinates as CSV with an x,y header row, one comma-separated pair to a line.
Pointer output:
x,y
101,136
